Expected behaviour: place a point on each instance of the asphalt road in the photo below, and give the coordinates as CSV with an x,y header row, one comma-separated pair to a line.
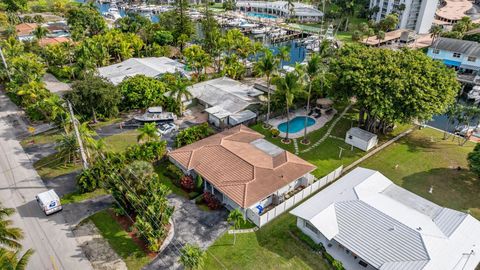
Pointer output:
x,y
51,237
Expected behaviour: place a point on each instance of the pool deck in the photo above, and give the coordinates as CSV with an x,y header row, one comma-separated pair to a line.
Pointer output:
x,y
319,123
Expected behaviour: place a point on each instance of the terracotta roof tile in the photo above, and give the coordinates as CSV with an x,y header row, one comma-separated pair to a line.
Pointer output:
x,y
236,167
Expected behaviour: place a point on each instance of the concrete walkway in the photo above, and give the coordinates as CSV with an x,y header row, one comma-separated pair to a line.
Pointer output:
x,y
317,143
192,226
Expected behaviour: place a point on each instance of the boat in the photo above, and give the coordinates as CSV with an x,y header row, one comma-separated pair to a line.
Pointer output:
x,y
155,114
474,94
113,13
236,22
247,25
258,31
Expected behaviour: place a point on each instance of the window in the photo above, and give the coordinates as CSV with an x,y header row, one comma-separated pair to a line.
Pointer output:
x,y
456,55
311,227
436,51
471,59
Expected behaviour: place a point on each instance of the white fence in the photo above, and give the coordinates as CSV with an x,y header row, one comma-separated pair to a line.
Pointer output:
x,y
287,204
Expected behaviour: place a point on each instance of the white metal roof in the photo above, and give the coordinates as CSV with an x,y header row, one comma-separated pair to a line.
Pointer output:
x,y
242,116
225,93
148,66
390,227
300,9
361,134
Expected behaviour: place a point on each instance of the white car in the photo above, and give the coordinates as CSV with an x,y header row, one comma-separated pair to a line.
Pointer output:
x,y
49,202
166,128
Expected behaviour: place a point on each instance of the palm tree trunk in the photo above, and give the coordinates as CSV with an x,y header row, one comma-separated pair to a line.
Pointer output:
x,y
288,123
268,99
94,115
305,139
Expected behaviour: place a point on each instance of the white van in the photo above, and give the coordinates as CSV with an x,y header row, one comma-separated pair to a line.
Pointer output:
x,y
49,202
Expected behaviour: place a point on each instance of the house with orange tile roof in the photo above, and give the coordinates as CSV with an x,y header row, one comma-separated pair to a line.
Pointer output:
x,y
53,40
25,31
243,170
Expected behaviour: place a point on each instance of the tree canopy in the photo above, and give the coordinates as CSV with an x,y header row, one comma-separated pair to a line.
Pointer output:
x,y
85,21
140,92
393,86
94,97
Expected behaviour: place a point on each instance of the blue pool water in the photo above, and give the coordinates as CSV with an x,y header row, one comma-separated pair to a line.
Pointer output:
x,y
261,15
296,124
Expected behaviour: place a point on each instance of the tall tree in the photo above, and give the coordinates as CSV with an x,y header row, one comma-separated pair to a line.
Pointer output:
x,y
95,96
10,260
236,218
197,58
402,85
267,66
287,87
308,72
148,133
40,32
179,92
140,92
192,257
85,21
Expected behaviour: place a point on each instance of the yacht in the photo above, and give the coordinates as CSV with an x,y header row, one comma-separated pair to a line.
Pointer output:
x,y
113,13
155,114
261,30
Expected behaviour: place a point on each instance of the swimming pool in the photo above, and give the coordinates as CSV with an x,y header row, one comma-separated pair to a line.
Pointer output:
x,y
261,15
296,124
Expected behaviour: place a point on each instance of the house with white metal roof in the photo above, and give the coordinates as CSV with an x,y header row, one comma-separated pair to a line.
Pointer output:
x,y
228,102
148,66
367,222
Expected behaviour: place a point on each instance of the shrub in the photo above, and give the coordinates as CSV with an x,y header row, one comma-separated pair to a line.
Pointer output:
x,y
212,202
274,132
193,195
193,134
87,180
149,151
187,183
173,171
199,182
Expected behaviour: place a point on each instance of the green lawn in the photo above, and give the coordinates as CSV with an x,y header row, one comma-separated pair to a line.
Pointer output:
x,y
326,156
423,159
271,247
119,240
161,170
43,138
52,166
78,197
119,142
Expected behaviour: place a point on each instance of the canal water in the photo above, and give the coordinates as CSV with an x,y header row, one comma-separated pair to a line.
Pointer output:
x,y
297,52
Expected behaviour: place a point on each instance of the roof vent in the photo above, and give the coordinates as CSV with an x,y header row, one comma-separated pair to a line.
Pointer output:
x,y
419,228
392,228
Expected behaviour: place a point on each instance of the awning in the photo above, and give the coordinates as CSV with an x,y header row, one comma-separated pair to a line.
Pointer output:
x,y
241,117
452,63
469,67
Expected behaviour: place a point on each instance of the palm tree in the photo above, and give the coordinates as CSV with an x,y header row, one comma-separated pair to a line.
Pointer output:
x,y
435,32
380,36
237,219
9,260
9,236
308,73
267,66
192,257
288,86
67,148
40,32
148,132
283,54
178,91
90,142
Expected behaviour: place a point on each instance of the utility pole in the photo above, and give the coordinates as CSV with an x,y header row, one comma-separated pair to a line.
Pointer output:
x,y
77,134
5,64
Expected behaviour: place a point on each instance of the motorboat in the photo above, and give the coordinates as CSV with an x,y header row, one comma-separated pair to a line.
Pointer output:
x,y
236,22
258,31
247,25
113,13
157,115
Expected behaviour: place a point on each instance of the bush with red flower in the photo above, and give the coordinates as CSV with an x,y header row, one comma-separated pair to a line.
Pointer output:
x,y
187,183
212,202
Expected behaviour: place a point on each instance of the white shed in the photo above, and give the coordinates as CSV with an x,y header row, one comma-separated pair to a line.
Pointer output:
x,y
361,139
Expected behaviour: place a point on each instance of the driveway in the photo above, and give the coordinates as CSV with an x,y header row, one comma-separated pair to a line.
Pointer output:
x,y
193,226
51,237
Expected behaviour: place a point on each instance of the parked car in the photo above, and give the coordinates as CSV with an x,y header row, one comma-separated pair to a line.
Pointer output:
x,y
166,128
49,202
